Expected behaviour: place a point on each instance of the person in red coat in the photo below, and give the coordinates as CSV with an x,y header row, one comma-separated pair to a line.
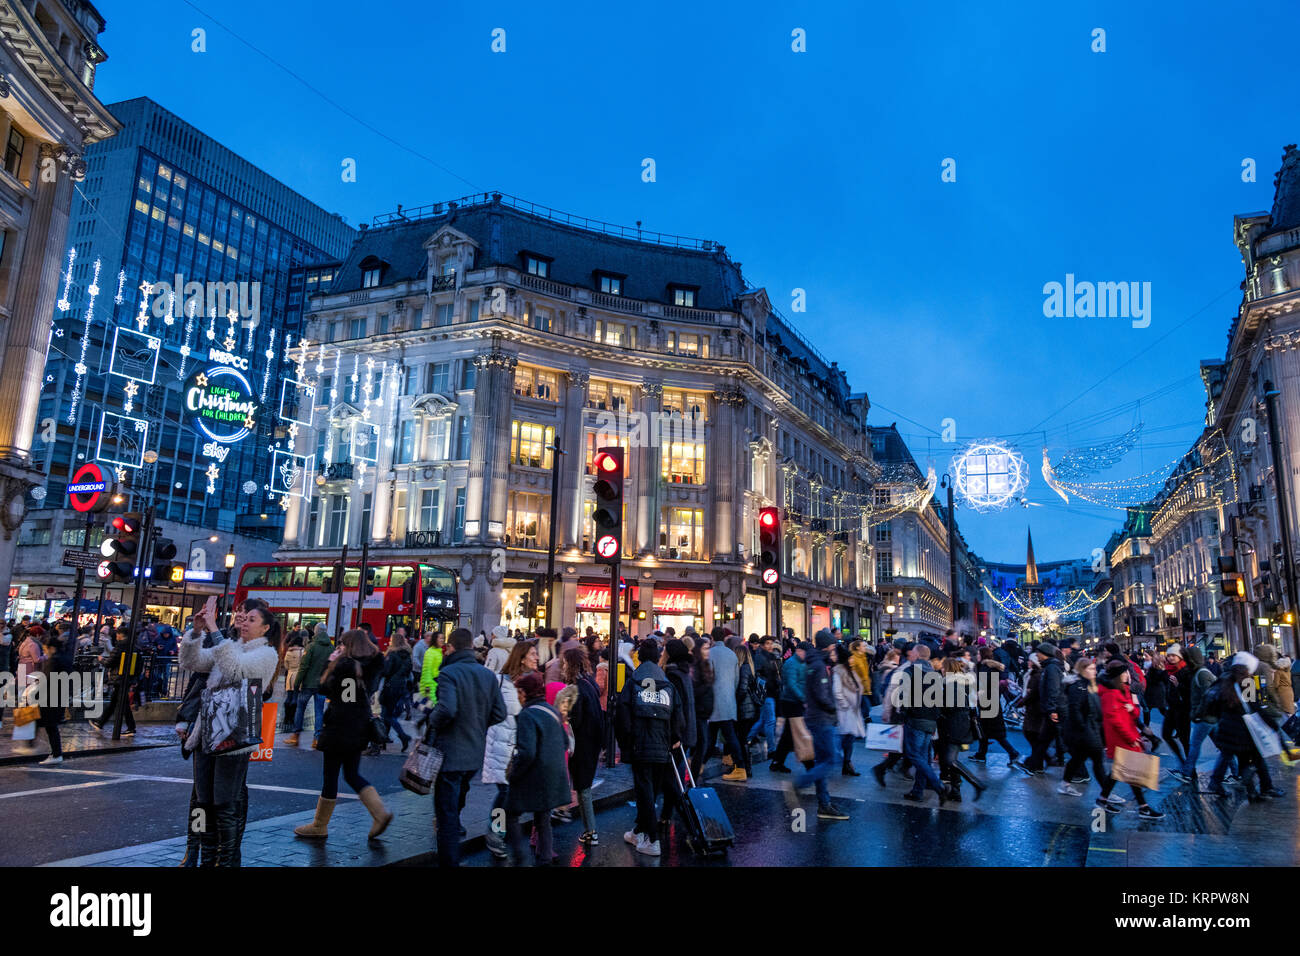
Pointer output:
x,y
1122,729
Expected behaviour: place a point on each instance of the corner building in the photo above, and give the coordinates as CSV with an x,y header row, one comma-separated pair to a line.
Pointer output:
x,y
511,330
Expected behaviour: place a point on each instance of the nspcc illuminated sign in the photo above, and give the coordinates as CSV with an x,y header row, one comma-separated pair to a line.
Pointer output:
x,y
221,404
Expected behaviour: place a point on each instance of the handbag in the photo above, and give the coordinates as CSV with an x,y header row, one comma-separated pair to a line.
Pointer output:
x,y
803,742
230,719
421,768
1136,768
25,715
1267,742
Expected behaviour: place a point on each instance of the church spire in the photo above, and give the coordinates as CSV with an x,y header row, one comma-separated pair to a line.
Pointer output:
x,y
1031,567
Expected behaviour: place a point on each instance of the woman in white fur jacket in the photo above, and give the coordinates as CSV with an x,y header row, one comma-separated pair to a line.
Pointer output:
x,y
219,781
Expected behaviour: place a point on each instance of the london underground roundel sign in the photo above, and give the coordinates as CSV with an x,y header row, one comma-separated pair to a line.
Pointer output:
x,y
86,487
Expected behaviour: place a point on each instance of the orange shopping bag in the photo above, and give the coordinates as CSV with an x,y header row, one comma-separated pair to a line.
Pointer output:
x,y
267,750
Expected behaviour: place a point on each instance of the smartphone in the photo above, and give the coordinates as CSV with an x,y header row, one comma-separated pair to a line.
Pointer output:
x,y
209,611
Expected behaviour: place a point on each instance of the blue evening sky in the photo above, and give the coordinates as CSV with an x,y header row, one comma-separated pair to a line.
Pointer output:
x,y
818,170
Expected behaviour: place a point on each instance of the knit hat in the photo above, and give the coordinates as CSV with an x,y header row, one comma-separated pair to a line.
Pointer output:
x,y
1267,653
1048,648
1174,650
569,634
500,632
823,639
532,684
1115,667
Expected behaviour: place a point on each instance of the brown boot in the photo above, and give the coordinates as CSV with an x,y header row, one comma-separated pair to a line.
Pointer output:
x,y
378,812
291,740
727,761
739,775
319,826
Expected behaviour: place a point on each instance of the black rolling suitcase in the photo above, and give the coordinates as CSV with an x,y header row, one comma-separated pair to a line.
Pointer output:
x,y
708,829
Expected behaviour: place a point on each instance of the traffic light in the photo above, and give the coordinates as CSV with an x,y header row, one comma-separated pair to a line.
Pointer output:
x,y
608,513
769,546
164,549
333,583
178,574
120,546
370,581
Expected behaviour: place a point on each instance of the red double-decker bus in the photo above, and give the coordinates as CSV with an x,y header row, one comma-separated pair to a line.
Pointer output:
x,y
404,595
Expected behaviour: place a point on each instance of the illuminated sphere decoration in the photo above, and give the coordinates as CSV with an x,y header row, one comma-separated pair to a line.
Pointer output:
x,y
989,475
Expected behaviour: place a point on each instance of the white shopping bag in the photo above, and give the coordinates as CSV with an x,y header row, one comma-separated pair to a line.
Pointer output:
x,y
885,737
1266,739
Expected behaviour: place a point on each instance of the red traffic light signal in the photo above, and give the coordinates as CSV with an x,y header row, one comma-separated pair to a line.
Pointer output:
x,y
608,511
120,547
769,546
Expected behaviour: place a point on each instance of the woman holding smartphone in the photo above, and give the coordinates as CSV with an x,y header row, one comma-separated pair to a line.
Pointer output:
x,y
219,780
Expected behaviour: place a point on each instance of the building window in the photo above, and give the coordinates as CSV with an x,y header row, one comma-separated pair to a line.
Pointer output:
x,y
14,152
681,533
611,285
884,568
430,509
691,405
537,383
683,296
435,439
440,377
370,278
462,438
537,267
528,444
683,462
337,528
443,315
468,375
615,333
406,442
357,328
884,532
540,319
383,323
688,343
313,522
458,518
526,520
410,379
604,440
365,514
608,396
882,496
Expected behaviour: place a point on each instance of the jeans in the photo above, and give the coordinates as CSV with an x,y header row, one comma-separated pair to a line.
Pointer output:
x,y
766,724
1245,761
730,742
588,810
1002,741
1038,756
449,792
388,711
303,697
916,747
647,784
350,763
1079,763
1199,732
823,737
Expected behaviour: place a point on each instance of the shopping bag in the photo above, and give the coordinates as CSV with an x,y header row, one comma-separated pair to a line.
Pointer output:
x,y
1267,742
230,719
25,715
803,742
267,750
421,768
1138,768
885,737
25,731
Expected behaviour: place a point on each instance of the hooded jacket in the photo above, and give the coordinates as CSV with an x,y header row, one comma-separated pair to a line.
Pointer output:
x,y
1119,718
539,780
957,715
313,662
819,695
679,675
847,688
469,702
501,736
502,645
649,715
995,727
1083,722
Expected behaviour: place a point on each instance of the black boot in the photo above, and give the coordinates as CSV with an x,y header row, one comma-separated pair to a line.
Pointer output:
x,y
242,807
848,770
227,833
206,823
193,837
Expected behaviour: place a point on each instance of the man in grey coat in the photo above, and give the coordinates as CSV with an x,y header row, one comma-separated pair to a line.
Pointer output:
x,y
469,702
726,675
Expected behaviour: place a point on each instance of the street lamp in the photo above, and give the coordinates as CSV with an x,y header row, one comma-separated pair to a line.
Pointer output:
x,y
185,578
889,609
225,588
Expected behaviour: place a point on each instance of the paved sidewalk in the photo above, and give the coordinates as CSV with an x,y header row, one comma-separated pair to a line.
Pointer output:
x,y
409,839
80,739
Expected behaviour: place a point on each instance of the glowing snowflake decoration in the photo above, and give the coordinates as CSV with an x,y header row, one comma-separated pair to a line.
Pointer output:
x,y
989,475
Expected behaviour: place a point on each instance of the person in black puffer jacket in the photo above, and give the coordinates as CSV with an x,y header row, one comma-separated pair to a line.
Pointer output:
x,y
396,676
649,727
676,664
990,672
346,685
538,779
1082,727
958,725
1231,735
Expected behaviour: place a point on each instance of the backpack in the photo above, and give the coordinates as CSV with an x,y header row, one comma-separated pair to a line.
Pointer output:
x,y
1201,706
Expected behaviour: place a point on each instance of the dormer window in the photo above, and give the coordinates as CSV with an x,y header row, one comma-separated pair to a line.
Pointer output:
x,y
609,283
683,295
372,271
537,265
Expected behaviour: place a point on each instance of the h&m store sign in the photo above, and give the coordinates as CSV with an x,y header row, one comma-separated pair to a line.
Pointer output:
x,y
595,597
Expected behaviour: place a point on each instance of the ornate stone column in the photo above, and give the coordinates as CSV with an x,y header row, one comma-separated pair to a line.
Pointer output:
x,y
723,477
485,493
574,442
648,458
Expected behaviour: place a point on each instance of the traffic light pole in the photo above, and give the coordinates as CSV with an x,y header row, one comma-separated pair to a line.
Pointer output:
x,y
361,578
127,663
612,679
81,580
